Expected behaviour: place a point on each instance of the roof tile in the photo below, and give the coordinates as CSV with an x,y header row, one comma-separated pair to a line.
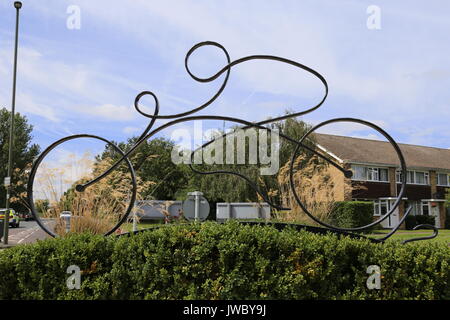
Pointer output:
x,y
368,151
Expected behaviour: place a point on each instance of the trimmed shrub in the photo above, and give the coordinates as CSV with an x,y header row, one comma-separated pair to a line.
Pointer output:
x,y
410,222
352,214
421,219
224,261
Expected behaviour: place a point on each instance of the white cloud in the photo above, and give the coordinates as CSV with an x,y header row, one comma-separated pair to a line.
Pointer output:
x,y
107,112
29,105
353,129
393,74
131,130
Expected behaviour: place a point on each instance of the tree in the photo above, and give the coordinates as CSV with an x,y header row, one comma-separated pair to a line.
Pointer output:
x,y
231,188
24,153
152,162
295,129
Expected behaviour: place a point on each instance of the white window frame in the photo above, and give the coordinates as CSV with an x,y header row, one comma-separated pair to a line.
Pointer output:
x,y
412,173
354,171
372,174
376,208
377,204
437,179
426,204
398,176
387,175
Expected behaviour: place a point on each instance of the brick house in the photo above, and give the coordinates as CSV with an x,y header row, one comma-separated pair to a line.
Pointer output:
x,y
375,166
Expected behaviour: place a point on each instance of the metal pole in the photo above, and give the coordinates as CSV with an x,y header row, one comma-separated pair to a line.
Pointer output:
x,y
17,5
134,220
197,207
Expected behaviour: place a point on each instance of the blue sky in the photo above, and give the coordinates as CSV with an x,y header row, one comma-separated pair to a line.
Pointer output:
x,y
85,80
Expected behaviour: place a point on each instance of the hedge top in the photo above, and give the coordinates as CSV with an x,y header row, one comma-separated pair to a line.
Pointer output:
x,y
224,261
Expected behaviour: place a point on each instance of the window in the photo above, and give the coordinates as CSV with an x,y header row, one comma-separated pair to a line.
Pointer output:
x,y
380,207
413,177
425,209
443,179
414,209
359,172
420,177
384,174
398,176
370,173
376,208
427,178
384,207
410,177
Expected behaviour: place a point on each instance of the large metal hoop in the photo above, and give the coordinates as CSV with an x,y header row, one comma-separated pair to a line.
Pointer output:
x,y
53,146
391,141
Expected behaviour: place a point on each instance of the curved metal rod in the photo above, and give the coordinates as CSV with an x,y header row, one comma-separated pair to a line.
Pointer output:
x,y
48,150
253,185
424,226
215,96
227,70
373,126
408,211
185,116
156,112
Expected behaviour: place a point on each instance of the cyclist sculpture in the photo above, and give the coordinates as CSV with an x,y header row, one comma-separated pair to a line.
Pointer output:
x,y
150,131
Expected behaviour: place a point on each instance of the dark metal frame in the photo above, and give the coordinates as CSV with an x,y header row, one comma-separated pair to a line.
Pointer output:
x,y
187,116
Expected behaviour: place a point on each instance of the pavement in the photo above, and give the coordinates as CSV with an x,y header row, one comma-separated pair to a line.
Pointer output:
x,y
28,232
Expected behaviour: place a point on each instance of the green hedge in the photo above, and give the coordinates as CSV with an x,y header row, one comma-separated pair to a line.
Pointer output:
x,y
229,261
412,221
352,214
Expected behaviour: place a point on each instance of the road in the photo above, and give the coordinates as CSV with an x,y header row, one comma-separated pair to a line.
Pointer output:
x,y
28,232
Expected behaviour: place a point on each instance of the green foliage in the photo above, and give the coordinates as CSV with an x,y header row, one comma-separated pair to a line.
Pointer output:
x,y
23,154
230,261
231,188
351,214
152,162
412,221
421,219
295,129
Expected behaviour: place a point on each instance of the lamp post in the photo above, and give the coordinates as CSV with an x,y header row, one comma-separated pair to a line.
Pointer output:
x,y
17,5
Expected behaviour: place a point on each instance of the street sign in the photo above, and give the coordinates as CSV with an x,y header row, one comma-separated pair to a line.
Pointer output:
x,y
196,202
7,181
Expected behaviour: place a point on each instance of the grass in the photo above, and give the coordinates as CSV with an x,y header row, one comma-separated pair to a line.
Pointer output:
x,y
400,235
128,226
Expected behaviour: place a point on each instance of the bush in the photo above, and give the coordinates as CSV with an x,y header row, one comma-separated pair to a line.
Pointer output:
x,y
421,219
410,222
352,214
229,261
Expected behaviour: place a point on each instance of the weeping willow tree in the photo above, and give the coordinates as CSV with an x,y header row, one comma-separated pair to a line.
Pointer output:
x,y
231,188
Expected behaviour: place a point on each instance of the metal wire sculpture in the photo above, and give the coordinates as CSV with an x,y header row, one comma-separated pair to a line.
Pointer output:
x,y
188,116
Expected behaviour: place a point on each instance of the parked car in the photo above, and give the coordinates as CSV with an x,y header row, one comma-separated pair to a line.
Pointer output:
x,y
14,219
